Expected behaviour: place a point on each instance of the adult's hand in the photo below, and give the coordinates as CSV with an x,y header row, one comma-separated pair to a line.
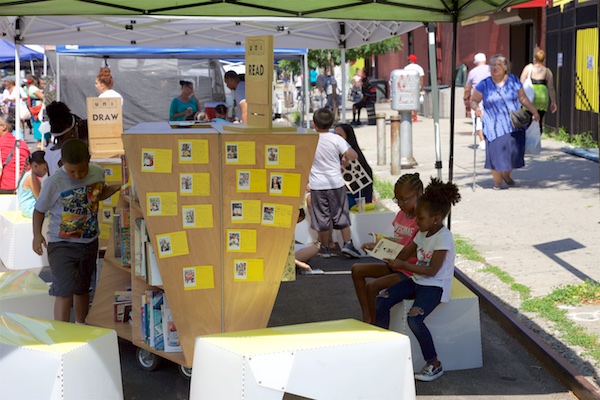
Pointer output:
x,y
553,108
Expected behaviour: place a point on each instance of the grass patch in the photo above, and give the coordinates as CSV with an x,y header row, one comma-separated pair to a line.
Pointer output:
x,y
524,291
384,189
548,307
583,140
466,249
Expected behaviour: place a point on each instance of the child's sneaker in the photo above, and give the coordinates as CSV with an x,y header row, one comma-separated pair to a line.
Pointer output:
x,y
324,252
350,250
429,373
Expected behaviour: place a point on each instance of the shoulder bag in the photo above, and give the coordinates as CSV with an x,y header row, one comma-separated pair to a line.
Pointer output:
x,y
520,118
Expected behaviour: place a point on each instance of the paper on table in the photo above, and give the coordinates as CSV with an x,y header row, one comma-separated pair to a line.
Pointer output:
x,y
386,248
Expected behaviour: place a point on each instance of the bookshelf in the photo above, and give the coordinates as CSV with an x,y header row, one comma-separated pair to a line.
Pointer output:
x,y
235,261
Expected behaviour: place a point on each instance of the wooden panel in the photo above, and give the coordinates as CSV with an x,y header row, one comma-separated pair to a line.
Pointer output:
x,y
195,312
248,305
101,314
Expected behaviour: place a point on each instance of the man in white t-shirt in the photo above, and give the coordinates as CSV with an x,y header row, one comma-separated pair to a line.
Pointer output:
x,y
413,66
476,75
233,82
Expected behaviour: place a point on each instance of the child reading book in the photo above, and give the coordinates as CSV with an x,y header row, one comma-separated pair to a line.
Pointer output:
x,y
407,191
430,285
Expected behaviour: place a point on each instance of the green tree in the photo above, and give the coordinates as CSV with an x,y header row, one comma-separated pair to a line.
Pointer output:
x,y
318,58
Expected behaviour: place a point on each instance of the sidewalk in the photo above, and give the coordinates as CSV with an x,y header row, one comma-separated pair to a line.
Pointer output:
x,y
544,232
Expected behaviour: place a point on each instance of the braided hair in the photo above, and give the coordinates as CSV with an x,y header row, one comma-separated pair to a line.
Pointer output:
x,y
439,197
412,180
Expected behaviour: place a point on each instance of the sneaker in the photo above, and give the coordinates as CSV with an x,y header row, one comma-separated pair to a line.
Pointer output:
x,y
429,373
324,252
481,145
350,250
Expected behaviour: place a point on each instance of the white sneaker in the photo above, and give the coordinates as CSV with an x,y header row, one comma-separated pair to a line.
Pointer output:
x,y
429,373
481,145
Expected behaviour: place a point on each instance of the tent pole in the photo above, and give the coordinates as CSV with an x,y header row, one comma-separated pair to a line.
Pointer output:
x,y
452,105
306,97
18,102
344,82
57,77
435,98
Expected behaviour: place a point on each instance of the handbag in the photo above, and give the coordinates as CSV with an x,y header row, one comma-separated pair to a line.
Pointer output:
x,y
34,110
520,118
528,86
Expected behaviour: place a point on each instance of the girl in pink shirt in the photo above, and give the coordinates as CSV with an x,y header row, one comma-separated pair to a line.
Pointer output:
x,y
407,191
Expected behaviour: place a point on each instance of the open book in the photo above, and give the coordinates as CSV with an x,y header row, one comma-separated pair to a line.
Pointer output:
x,y
386,248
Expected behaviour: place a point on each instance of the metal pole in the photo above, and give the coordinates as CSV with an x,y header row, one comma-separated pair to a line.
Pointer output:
x,y
452,105
406,148
395,136
344,83
435,98
380,117
306,97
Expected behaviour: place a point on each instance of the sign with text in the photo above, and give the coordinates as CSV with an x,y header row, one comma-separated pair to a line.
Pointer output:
x,y
105,126
259,80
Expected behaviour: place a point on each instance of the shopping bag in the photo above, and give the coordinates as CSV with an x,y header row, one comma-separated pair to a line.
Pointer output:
x,y
533,140
528,86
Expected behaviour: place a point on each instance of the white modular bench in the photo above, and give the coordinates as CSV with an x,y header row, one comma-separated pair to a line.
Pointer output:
x,y
344,359
42,359
23,292
8,202
454,326
16,252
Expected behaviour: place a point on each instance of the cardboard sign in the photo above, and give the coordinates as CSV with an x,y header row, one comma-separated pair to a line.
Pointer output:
x,y
259,80
105,126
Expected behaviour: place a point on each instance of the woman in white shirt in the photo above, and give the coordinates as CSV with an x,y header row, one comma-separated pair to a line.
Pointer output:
x,y
104,84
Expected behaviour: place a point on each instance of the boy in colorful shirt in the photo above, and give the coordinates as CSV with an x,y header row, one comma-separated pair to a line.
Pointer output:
x,y
71,197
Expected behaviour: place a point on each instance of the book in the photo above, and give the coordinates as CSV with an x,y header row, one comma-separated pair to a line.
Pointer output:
x,y
171,336
125,237
123,296
153,273
116,230
156,325
386,248
122,310
139,258
125,192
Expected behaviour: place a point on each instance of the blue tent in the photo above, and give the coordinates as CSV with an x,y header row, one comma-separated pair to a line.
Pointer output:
x,y
7,52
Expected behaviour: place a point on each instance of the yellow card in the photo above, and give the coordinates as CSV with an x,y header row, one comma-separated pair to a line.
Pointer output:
x,y
201,277
112,173
104,231
280,156
245,211
248,270
278,215
161,203
193,151
240,240
194,184
251,180
240,153
110,202
157,160
172,244
197,216
284,184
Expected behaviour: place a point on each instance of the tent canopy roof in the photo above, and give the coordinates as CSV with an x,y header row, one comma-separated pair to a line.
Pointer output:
x,y
314,24
404,10
227,53
7,52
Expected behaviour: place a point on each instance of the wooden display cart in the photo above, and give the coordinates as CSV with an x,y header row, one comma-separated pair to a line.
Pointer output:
x,y
220,207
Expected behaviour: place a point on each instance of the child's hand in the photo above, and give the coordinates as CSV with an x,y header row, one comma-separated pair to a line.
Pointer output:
x,y
38,241
394,264
368,246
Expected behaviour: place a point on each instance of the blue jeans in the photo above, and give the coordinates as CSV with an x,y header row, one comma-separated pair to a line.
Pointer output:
x,y
426,298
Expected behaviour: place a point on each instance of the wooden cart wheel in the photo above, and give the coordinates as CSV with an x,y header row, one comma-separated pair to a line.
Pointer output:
x,y
148,360
185,371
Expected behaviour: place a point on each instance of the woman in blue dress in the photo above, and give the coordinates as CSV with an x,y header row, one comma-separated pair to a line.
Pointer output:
x,y
502,93
186,105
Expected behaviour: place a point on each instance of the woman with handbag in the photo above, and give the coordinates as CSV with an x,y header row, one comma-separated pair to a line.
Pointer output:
x,y
502,95
539,77
11,95
35,101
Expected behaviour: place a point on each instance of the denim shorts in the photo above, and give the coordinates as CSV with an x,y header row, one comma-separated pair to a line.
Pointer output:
x,y
72,266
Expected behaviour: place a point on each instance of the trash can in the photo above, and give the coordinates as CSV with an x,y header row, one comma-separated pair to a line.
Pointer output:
x,y
381,89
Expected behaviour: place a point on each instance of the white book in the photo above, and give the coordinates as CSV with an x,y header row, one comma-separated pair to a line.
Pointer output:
x,y
386,248
171,337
